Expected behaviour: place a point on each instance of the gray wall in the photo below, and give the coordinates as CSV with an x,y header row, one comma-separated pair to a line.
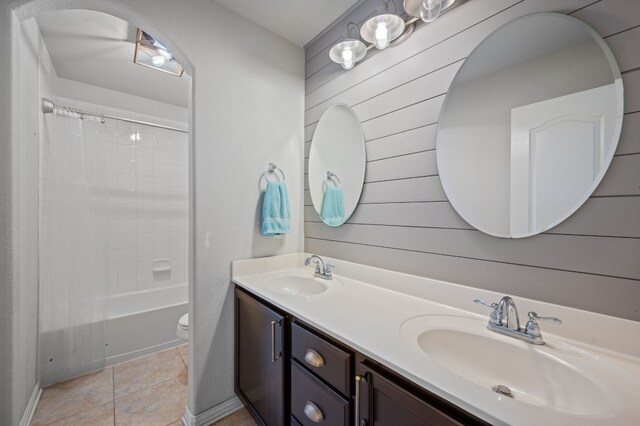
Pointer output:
x,y
404,221
247,109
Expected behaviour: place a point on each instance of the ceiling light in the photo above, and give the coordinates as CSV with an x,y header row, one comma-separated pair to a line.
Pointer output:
x,y
427,10
348,51
384,27
430,10
158,60
153,54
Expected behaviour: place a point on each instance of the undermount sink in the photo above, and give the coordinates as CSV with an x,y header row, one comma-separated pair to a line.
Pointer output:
x,y
296,284
558,378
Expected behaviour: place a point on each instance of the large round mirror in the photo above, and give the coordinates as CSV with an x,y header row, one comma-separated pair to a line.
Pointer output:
x,y
530,125
336,165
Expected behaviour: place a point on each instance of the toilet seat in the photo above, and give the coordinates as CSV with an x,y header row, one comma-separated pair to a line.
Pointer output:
x,y
182,329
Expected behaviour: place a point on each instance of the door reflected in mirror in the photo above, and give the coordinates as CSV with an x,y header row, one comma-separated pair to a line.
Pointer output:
x,y
336,165
530,125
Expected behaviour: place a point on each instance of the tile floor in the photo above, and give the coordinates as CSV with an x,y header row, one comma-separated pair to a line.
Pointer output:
x,y
151,390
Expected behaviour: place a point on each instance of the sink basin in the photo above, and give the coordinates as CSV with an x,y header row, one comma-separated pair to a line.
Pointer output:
x,y
558,378
296,284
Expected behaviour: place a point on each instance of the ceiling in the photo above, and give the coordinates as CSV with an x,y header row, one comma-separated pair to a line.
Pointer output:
x,y
299,21
97,49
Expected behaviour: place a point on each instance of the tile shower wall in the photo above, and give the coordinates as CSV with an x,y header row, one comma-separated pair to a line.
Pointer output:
x,y
404,221
148,199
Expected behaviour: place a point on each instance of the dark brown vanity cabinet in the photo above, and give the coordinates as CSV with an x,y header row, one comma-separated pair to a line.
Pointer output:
x,y
381,402
321,376
290,374
261,364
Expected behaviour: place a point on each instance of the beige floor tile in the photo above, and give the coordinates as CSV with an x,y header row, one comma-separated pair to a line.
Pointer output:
x,y
73,396
101,415
158,405
132,376
184,353
178,423
239,418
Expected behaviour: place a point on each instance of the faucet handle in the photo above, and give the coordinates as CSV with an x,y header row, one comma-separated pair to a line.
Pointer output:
x,y
488,305
533,316
533,329
493,318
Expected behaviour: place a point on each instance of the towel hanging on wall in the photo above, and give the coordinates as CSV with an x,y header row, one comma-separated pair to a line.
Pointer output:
x,y
333,206
276,217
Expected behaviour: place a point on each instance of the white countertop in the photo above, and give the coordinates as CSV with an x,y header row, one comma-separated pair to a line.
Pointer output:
x,y
368,317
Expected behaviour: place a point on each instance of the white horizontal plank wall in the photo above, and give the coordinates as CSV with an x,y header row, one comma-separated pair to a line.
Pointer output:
x,y
404,221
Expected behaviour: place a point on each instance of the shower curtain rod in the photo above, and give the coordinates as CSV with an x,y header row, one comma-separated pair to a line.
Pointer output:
x,y
48,107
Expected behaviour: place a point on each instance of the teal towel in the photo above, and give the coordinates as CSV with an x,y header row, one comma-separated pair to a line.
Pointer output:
x,y
275,209
333,206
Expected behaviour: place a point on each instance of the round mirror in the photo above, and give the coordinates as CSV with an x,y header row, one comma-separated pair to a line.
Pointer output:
x,y
336,165
529,125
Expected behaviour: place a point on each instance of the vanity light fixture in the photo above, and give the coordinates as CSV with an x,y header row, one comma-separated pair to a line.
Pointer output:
x,y
385,29
350,50
427,10
153,54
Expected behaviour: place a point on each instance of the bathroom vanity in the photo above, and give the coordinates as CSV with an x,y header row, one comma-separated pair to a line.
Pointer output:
x,y
286,371
375,347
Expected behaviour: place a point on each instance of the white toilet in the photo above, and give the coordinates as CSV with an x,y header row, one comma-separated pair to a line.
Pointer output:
x,y
182,330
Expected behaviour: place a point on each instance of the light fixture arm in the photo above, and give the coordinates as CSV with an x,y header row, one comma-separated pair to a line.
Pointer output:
x,y
350,29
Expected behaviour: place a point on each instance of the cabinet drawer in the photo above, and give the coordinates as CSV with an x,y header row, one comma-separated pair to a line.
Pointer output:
x,y
313,402
321,357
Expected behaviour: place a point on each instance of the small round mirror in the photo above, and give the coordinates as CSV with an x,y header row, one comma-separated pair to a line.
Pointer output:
x,y
336,165
529,125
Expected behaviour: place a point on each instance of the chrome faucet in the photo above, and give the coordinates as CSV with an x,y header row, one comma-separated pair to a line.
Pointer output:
x,y
504,320
323,272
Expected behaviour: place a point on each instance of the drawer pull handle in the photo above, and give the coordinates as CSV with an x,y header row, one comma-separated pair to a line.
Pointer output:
x,y
312,412
314,358
357,407
274,355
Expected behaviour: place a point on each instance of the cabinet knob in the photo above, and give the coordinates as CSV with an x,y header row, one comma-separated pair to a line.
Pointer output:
x,y
312,412
314,358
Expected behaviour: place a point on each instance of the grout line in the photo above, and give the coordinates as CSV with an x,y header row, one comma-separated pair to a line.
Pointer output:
x,y
146,388
113,393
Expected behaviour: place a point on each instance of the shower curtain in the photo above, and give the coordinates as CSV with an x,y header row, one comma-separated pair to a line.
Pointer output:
x,y
74,248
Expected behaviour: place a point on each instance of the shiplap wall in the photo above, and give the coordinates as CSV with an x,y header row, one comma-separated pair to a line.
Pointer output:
x,y
404,221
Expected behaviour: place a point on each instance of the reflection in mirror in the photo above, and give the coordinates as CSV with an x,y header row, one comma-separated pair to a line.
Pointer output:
x,y
336,165
530,125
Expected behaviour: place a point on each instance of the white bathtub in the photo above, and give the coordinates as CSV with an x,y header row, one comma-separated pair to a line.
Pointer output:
x,y
145,321
138,323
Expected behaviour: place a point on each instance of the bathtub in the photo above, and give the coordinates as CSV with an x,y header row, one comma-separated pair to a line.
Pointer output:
x,y
144,321
138,323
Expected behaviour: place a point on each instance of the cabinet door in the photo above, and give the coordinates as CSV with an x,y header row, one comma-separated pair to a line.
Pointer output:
x,y
381,402
260,367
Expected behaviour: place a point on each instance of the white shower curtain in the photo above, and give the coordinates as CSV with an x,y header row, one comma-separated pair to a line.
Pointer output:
x,y
74,248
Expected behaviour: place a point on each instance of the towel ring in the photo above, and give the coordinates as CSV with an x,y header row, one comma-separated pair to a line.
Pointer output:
x,y
271,170
332,177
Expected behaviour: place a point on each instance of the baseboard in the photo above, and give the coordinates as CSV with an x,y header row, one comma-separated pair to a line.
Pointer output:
x,y
213,414
31,406
117,359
